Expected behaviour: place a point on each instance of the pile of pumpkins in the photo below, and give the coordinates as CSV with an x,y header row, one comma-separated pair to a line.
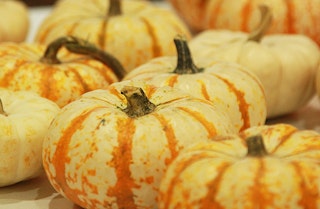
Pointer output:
x,y
124,104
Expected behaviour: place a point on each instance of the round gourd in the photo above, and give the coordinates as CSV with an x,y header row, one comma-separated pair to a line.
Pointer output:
x,y
110,147
55,73
133,31
24,121
228,85
275,166
290,17
285,64
14,21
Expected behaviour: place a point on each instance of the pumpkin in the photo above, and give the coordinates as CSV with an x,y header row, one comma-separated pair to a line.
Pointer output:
x,y
133,31
14,22
290,17
228,85
24,121
285,64
110,147
275,166
56,73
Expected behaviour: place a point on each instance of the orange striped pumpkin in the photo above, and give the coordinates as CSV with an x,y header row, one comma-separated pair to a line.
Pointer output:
x,y
133,31
228,85
275,166
55,73
110,147
290,16
285,64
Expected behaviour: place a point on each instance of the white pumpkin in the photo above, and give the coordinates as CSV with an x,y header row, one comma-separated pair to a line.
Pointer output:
x,y
24,120
285,64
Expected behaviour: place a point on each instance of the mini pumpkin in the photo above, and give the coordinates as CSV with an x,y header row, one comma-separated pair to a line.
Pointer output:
x,y
14,21
290,17
110,147
228,85
24,121
133,31
285,64
55,73
275,166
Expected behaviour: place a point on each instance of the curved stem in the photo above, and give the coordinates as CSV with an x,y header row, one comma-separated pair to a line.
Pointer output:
x,y
266,18
256,146
83,47
137,102
50,55
114,8
185,64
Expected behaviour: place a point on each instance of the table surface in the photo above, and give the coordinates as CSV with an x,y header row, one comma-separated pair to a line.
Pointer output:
x,y
38,193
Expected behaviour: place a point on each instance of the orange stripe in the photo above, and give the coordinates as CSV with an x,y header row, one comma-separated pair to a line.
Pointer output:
x,y
242,104
308,186
156,46
61,158
172,80
199,117
165,198
122,159
171,138
246,14
290,20
209,201
204,90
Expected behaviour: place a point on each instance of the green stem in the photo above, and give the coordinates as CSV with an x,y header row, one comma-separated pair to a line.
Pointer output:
x,y
265,22
185,64
256,147
137,102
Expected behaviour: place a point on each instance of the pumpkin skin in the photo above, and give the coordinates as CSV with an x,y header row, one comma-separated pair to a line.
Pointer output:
x,y
13,27
24,121
228,85
60,78
211,14
230,173
99,157
285,64
142,31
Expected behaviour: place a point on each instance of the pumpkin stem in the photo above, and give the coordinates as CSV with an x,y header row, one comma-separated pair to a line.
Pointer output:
x,y
2,112
185,64
256,146
114,8
83,47
79,46
137,102
266,18
50,55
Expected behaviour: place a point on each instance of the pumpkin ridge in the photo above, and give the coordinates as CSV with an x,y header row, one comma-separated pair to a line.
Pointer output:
x,y
8,77
179,169
209,126
309,198
246,13
209,200
284,138
103,72
170,136
121,161
156,47
243,105
60,157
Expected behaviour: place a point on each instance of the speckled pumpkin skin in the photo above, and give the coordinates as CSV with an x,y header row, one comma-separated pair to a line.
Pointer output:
x,y
141,32
98,157
21,68
23,125
219,174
